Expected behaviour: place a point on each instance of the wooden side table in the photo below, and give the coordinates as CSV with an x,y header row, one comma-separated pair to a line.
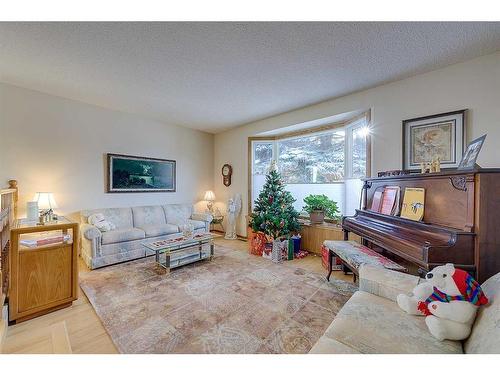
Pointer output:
x,y
43,268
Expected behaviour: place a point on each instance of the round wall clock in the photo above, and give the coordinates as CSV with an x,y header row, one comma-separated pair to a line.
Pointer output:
x,y
227,171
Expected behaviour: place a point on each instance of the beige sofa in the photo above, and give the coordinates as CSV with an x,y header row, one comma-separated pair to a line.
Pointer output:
x,y
372,322
134,226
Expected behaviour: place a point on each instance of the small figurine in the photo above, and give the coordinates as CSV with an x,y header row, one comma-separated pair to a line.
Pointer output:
x,y
422,167
437,164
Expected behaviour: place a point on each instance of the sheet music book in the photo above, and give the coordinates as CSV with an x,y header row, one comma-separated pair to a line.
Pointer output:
x,y
390,200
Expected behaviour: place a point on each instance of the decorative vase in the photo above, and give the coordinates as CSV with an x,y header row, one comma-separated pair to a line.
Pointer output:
x,y
276,253
317,217
32,211
187,230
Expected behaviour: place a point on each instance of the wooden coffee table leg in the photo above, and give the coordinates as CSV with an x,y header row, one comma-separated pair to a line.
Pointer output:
x,y
330,264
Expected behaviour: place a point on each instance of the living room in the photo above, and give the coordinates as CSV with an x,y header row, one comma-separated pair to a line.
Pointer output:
x,y
249,188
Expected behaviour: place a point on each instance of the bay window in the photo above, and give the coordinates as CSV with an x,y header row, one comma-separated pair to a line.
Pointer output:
x,y
328,161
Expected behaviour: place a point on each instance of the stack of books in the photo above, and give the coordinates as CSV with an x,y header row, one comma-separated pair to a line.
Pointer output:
x,y
42,241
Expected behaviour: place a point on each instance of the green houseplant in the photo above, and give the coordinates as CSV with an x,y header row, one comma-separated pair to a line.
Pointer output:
x,y
319,206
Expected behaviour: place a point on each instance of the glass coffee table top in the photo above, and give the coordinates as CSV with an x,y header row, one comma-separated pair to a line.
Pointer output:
x,y
178,251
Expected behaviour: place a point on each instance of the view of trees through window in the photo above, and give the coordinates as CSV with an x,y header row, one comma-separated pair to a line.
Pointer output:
x,y
359,152
316,163
262,157
313,159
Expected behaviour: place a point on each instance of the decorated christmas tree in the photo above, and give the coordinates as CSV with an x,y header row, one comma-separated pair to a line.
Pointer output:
x,y
274,214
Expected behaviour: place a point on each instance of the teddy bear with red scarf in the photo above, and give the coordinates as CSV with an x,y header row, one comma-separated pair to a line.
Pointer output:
x,y
449,299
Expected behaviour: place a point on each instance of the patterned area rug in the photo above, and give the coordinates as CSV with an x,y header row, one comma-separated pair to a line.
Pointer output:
x,y
236,303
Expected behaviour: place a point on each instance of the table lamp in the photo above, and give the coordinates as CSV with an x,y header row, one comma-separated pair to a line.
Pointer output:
x,y
46,204
210,198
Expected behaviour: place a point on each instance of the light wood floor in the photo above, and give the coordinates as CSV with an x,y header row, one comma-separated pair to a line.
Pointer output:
x,y
84,329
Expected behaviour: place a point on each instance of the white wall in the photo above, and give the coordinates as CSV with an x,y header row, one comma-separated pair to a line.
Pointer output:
x,y
54,144
474,84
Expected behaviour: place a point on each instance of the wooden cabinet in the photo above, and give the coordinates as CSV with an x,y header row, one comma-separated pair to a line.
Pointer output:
x,y
43,268
313,235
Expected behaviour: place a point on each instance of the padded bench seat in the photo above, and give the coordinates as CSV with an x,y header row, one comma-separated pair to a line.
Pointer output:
x,y
353,255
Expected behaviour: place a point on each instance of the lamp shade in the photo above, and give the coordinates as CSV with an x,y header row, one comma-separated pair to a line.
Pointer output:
x,y
45,200
209,195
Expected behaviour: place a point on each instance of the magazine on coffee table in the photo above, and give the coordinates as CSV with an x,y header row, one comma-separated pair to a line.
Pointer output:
x,y
161,244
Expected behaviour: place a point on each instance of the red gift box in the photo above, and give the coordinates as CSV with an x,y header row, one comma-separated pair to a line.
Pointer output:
x,y
336,263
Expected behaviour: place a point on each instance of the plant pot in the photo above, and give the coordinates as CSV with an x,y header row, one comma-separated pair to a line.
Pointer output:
x,y
317,217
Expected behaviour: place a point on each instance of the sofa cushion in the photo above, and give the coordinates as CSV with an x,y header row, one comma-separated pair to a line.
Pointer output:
x,y
148,215
372,324
122,235
177,213
485,335
159,230
120,217
326,345
386,283
197,224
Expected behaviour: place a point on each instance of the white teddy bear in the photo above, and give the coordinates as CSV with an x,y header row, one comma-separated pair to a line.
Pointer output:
x,y
101,223
449,299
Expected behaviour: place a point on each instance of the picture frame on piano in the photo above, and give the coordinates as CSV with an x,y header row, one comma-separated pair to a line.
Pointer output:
x,y
468,162
440,136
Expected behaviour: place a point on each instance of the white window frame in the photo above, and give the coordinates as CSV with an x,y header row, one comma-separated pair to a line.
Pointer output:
x,y
348,128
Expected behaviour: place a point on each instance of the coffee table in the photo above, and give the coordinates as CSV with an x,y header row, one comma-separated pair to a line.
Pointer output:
x,y
178,251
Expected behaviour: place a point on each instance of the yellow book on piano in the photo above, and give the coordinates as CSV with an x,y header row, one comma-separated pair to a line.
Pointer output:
x,y
413,204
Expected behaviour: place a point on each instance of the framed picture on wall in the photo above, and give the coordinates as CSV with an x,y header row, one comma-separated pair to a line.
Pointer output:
x,y
136,174
438,136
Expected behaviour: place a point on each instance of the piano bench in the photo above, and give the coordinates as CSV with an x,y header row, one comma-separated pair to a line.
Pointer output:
x,y
353,255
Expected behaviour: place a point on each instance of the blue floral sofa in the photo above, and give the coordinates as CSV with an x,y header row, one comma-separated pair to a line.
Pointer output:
x,y
134,226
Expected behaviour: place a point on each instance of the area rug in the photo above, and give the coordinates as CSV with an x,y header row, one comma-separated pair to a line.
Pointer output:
x,y
236,303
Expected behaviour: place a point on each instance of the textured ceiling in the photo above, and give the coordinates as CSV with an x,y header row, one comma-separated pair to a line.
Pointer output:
x,y
214,76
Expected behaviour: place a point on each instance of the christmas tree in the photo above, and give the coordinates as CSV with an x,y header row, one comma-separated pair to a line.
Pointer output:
x,y
274,214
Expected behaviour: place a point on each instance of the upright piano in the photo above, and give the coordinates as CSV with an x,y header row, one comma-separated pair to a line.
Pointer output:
x,y
461,222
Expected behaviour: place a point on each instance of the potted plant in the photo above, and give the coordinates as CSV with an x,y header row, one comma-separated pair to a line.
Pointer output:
x,y
319,206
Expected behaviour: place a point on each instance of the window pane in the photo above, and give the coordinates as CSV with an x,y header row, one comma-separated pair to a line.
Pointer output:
x,y
312,159
262,156
359,135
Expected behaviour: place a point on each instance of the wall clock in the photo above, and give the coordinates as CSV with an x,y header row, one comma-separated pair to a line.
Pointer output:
x,y
227,171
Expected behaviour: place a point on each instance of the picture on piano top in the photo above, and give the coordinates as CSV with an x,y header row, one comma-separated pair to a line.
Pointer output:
x,y
468,161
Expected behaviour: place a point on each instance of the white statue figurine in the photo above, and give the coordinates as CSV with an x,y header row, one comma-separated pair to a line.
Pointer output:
x,y
233,211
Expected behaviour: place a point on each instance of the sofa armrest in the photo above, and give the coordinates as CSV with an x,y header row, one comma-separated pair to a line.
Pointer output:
x,y
202,217
90,232
90,243
386,283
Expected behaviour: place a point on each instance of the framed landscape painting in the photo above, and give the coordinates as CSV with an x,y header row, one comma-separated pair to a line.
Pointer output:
x,y
438,136
135,174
